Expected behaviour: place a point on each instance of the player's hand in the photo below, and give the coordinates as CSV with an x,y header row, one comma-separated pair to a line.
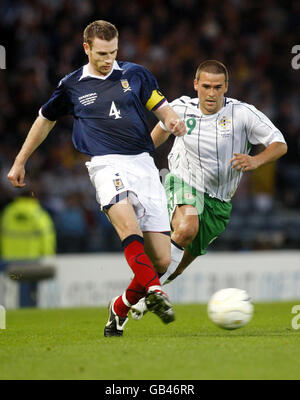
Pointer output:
x,y
16,175
244,162
177,127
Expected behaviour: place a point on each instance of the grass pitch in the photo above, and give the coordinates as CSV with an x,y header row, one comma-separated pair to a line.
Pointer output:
x,y
69,344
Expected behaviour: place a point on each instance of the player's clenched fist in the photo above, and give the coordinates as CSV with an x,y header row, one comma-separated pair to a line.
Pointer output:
x,y
16,176
177,127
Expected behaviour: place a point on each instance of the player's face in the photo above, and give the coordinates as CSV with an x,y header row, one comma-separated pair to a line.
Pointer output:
x,y
101,54
211,89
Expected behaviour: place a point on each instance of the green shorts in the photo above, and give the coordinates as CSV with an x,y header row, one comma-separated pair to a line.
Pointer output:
x,y
213,213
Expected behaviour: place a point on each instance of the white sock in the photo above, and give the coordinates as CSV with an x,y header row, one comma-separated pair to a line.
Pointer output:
x,y
176,257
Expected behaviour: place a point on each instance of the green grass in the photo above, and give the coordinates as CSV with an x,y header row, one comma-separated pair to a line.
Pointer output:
x,y
69,344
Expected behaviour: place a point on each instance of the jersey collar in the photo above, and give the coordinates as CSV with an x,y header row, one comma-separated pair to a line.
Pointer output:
x,y
86,73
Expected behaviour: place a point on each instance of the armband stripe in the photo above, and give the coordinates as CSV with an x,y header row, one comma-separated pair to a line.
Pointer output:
x,y
156,100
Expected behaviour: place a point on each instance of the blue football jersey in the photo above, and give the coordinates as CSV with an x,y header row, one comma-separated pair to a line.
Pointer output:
x,y
109,114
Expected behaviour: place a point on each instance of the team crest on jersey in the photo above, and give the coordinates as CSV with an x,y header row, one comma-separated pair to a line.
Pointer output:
x,y
225,122
118,184
125,85
224,126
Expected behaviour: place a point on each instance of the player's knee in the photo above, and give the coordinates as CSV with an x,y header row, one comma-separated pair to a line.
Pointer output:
x,y
162,263
185,234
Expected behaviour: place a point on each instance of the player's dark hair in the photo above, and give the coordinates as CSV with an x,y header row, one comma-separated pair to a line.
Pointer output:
x,y
214,67
102,29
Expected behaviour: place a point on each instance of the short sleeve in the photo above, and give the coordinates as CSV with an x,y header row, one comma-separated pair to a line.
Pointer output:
x,y
260,129
58,105
151,96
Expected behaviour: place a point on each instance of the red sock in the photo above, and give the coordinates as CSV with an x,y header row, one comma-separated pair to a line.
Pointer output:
x,y
133,294
145,274
139,262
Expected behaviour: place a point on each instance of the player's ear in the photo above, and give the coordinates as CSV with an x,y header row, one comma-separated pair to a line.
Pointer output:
x,y
196,84
86,48
226,87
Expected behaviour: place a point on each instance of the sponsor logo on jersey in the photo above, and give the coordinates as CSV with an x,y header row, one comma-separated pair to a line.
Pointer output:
x,y
125,85
88,99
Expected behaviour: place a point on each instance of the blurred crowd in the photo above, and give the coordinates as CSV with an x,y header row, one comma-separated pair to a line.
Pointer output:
x,y
43,41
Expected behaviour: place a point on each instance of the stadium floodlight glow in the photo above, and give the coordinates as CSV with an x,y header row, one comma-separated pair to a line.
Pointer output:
x,y
2,318
2,57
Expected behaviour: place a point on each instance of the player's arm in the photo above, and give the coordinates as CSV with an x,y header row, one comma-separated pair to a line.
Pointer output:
x,y
156,102
171,120
260,130
37,134
271,153
159,135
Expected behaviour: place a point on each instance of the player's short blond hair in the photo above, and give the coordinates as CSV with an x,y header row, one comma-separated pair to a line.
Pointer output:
x,y
212,66
102,29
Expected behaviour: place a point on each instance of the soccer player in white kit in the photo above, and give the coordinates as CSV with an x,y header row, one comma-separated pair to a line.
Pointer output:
x,y
107,100
206,165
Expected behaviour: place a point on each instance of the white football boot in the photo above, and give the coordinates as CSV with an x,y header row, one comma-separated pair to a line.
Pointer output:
x,y
139,309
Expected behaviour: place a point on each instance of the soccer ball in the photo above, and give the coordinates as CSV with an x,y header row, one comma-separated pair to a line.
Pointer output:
x,y
230,308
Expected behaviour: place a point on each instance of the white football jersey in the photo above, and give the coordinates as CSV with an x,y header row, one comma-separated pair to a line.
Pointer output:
x,y
202,157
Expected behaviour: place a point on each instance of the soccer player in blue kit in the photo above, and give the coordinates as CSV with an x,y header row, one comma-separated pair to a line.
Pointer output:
x,y
107,100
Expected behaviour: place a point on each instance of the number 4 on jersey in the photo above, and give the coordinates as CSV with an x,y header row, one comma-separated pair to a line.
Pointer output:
x,y
114,112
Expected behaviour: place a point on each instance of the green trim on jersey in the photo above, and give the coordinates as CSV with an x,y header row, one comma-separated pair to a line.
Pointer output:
x,y
214,214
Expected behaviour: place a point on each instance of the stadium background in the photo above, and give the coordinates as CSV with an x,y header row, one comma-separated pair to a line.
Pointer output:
x,y
43,41
255,40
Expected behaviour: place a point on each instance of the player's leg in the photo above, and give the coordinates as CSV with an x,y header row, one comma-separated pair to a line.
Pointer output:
x,y
119,190
156,229
185,225
140,308
186,260
123,218
157,246
146,279
185,205
125,227
211,223
158,249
